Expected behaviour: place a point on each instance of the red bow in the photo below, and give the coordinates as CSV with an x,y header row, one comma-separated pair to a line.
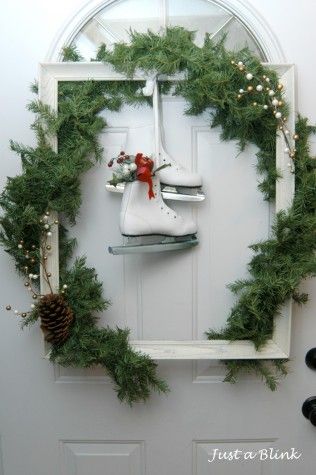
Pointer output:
x,y
144,172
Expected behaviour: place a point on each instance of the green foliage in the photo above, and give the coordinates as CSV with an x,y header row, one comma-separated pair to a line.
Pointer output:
x,y
279,263
71,53
134,374
269,371
51,180
211,85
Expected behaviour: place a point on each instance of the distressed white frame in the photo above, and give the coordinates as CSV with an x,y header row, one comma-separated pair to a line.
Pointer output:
x,y
279,345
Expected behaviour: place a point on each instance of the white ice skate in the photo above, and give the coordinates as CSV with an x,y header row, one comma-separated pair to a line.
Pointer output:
x,y
177,182
149,224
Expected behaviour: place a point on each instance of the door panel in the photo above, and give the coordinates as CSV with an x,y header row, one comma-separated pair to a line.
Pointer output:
x,y
63,421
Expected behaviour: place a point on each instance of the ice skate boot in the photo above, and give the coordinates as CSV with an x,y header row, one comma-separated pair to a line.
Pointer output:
x,y
177,182
149,224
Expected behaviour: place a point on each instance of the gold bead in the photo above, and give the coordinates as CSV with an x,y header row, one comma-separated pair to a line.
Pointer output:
x,y
49,274
47,213
264,76
280,87
232,62
45,258
56,221
241,68
34,296
250,88
267,89
33,260
27,284
292,154
23,315
280,103
33,246
21,242
26,268
239,96
254,103
296,137
281,127
48,247
8,307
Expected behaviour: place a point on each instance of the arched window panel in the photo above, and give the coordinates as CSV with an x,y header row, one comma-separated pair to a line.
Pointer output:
x,y
113,23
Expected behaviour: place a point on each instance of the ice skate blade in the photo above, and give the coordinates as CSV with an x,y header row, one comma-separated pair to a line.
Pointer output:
x,y
182,193
168,192
166,244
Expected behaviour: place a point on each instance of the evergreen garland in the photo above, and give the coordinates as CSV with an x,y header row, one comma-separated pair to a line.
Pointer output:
x,y
51,180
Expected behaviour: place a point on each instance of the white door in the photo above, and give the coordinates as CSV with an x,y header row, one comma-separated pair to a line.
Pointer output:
x,y
64,421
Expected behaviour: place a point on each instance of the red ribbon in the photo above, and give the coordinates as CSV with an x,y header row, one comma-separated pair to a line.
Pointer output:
x,y
144,172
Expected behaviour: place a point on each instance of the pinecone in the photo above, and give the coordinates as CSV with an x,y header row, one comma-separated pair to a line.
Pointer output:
x,y
56,318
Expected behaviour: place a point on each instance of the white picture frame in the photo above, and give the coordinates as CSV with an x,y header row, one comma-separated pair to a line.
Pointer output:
x,y
278,347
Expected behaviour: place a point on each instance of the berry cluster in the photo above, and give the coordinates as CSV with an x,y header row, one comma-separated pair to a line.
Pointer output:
x,y
37,257
271,101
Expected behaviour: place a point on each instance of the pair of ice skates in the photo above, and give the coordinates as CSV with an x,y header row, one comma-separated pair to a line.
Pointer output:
x,y
149,224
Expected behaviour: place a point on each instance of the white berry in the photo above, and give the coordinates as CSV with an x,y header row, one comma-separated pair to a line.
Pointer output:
x,y
240,63
20,246
65,286
286,150
241,91
133,167
31,276
271,93
32,305
266,107
249,76
49,233
268,79
278,115
16,312
275,102
126,170
259,87
35,276
46,226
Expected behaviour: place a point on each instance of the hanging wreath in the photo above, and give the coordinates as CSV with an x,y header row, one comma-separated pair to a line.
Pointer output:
x,y
246,101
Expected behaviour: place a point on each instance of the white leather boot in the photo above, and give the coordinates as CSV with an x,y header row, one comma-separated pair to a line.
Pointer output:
x,y
174,175
141,216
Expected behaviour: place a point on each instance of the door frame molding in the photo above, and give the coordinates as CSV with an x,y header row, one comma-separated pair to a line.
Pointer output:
x,y
50,74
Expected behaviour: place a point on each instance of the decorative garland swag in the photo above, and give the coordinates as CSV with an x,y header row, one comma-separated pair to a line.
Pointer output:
x,y
245,99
